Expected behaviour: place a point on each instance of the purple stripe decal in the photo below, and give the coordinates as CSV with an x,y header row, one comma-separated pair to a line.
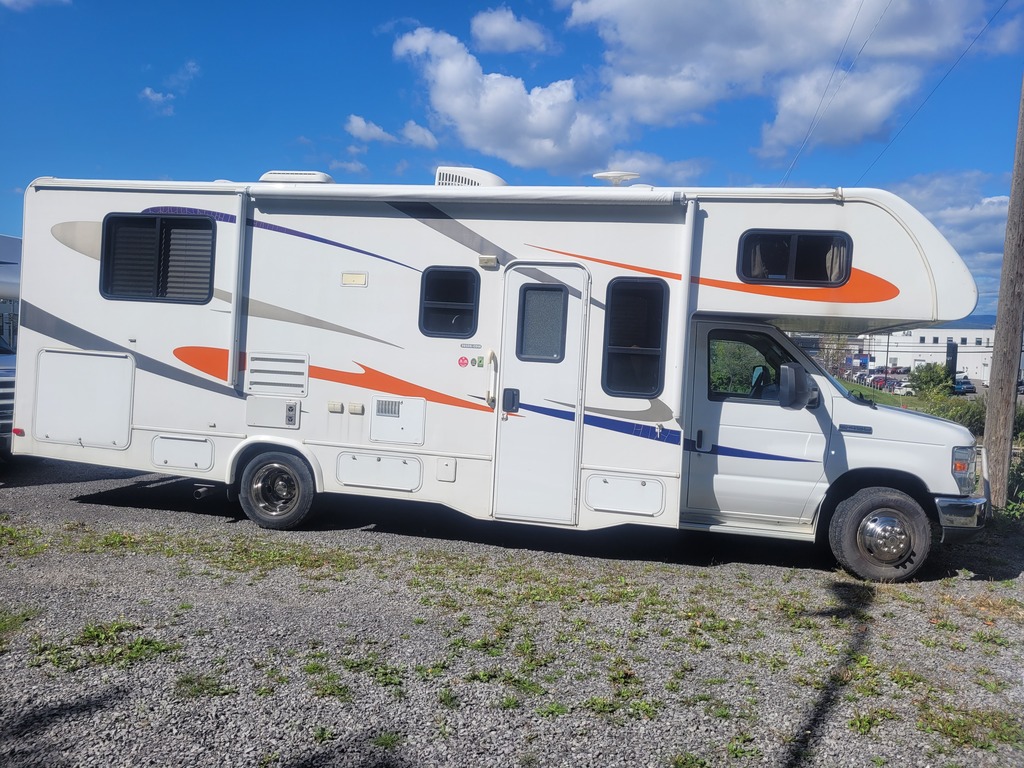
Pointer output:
x,y
738,453
230,218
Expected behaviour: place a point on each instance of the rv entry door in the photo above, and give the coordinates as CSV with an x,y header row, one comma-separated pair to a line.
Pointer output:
x,y
540,397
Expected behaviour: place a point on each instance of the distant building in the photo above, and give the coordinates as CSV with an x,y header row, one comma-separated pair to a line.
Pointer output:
x,y
971,340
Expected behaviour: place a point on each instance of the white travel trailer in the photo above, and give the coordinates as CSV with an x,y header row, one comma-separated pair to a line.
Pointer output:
x,y
576,357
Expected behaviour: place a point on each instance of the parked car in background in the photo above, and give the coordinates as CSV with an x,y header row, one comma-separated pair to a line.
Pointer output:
x,y
964,387
904,388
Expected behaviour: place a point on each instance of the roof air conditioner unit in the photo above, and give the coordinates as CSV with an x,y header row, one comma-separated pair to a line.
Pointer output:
x,y
449,176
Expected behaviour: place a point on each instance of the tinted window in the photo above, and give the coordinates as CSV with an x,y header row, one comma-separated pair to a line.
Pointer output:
x,y
810,258
449,302
634,349
158,258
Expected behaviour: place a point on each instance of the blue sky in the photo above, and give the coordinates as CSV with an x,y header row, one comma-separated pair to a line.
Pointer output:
x,y
731,92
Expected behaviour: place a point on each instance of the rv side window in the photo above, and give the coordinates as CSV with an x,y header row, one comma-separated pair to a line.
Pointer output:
x,y
636,315
807,258
449,300
541,335
157,258
744,364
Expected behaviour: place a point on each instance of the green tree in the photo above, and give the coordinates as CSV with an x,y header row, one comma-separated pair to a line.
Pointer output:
x,y
931,378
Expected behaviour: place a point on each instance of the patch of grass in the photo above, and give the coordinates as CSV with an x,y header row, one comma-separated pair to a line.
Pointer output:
x,y
990,637
509,702
688,760
196,685
742,745
387,739
380,672
553,709
600,705
981,728
863,722
448,698
322,734
100,644
11,622
23,542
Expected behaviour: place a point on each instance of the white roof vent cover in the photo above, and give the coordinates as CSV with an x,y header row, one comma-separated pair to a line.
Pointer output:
x,y
297,177
450,176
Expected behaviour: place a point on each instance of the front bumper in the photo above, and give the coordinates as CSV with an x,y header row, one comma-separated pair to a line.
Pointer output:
x,y
964,516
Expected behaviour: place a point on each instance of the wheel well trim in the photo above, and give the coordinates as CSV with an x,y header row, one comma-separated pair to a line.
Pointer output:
x,y
245,450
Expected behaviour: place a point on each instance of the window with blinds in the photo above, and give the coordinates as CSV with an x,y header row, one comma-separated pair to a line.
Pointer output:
x,y
158,258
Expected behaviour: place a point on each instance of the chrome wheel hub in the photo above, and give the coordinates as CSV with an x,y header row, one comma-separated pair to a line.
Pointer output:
x,y
884,537
274,489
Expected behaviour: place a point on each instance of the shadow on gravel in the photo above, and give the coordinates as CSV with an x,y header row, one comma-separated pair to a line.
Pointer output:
x,y
852,603
29,728
350,753
998,554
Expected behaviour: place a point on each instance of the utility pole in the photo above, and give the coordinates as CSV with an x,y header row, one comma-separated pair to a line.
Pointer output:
x,y
1002,392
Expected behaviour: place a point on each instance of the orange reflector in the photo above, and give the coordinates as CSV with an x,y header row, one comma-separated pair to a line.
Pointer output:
x,y
959,466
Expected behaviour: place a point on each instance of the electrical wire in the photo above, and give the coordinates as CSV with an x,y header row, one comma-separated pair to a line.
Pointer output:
x,y
931,93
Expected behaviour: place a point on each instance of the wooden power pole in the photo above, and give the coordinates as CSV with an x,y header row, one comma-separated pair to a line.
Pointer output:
x,y
1002,392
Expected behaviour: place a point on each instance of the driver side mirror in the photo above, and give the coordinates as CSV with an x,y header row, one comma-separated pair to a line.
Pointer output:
x,y
794,387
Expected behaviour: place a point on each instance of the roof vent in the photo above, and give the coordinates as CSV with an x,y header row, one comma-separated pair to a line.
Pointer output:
x,y
448,176
297,177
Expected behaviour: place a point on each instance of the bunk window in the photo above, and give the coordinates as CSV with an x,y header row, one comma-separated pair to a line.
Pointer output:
x,y
803,258
449,302
636,316
542,313
157,258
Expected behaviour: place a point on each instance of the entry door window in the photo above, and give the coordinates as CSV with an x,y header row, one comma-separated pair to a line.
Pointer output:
x,y
542,311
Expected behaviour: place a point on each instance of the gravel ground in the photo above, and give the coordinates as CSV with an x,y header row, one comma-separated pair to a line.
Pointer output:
x,y
141,627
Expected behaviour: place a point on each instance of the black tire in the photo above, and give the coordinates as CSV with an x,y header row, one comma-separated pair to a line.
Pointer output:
x,y
880,534
277,490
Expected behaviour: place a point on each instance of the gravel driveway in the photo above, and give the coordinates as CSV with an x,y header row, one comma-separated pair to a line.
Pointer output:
x,y
139,626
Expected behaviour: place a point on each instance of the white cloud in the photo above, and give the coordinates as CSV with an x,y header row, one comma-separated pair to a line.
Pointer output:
x,y
667,62
545,126
671,62
364,130
176,85
499,31
24,5
974,223
419,136
349,166
162,103
180,81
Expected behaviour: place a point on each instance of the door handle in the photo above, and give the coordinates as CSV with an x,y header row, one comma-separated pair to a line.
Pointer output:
x,y
492,377
510,400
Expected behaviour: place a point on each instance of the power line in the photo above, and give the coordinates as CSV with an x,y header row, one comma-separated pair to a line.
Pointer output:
x,y
932,92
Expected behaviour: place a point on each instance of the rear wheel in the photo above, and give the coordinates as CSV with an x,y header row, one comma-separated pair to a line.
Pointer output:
x,y
277,490
880,534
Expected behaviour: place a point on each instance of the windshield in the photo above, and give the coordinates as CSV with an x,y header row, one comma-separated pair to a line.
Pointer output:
x,y
5,348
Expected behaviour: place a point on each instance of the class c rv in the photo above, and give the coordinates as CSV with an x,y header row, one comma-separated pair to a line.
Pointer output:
x,y
578,357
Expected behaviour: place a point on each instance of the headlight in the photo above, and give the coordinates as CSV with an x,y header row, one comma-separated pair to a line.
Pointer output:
x,y
964,458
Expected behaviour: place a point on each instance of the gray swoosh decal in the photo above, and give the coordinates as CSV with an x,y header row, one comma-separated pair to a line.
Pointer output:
x,y
657,411
52,326
86,237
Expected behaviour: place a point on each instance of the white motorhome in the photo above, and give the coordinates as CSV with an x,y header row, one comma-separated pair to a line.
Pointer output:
x,y
567,356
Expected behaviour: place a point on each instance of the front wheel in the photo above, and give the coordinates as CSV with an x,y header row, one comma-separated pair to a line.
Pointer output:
x,y
880,534
277,490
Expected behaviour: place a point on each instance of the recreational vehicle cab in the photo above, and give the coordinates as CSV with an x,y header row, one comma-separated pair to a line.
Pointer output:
x,y
579,357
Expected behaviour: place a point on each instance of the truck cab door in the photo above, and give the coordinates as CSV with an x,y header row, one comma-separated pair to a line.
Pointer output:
x,y
750,460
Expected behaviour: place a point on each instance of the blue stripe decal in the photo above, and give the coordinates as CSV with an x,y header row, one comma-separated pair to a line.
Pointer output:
x,y
230,218
738,453
646,431
553,412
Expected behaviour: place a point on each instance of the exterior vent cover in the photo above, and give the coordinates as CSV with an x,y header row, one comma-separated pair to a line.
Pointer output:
x,y
297,177
448,176
389,408
273,373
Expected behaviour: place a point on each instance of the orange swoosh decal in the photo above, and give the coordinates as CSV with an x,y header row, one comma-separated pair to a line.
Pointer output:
x,y
214,361
209,360
861,288
620,265
369,378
